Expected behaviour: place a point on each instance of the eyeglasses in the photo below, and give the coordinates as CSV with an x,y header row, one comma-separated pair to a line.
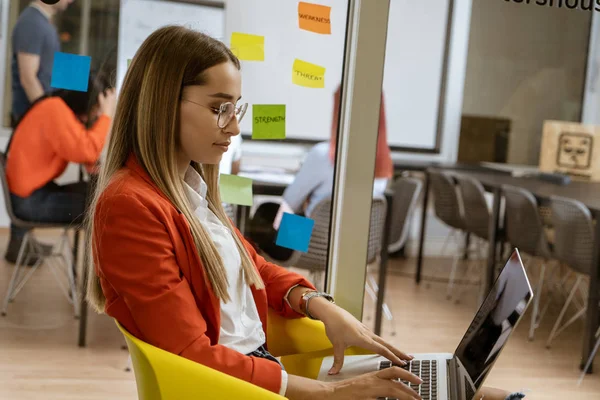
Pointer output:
x,y
226,112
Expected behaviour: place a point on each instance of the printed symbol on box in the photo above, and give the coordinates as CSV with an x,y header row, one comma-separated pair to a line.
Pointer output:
x,y
575,150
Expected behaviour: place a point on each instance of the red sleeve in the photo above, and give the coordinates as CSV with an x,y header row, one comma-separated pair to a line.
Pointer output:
x,y
69,138
278,281
135,255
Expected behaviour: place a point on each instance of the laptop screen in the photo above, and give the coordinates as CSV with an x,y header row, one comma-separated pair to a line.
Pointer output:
x,y
495,320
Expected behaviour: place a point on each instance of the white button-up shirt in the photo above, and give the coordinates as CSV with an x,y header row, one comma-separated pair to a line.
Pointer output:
x,y
241,328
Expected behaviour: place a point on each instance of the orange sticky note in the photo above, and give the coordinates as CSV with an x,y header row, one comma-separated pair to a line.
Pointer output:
x,y
314,17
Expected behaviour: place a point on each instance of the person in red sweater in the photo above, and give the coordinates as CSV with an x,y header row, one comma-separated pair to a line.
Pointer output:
x,y
50,135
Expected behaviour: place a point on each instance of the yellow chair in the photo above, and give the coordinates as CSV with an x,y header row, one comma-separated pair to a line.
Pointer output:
x,y
161,375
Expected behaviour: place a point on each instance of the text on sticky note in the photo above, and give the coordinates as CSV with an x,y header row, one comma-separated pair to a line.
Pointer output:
x,y
248,47
71,72
295,232
235,189
308,75
268,121
314,17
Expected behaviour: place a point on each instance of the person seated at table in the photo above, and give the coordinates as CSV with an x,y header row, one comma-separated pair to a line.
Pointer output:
x,y
169,265
314,183
51,134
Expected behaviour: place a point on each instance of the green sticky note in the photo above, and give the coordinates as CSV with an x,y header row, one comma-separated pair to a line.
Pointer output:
x,y
128,62
236,189
268,121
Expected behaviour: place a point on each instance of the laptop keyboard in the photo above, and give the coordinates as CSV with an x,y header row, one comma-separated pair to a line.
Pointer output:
x,y
424,369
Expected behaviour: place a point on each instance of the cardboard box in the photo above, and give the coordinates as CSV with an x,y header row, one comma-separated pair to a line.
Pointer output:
x,y
571,148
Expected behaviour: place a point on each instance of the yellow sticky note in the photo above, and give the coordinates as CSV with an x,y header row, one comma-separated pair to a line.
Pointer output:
x,y
248,47
308,75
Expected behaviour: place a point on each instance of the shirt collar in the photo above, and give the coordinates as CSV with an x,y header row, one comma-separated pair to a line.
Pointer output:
x,y
40,9
196,189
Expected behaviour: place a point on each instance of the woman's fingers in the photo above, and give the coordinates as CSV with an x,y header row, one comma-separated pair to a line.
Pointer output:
x,y
392,348
399,373
380,349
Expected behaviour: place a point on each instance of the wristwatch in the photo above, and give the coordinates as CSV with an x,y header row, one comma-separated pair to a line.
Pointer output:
x,y
305,299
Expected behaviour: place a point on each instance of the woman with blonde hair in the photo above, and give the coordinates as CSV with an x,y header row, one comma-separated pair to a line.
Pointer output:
x,y
168,264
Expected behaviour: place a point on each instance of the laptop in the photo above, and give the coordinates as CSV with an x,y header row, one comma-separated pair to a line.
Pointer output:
x,y
460,375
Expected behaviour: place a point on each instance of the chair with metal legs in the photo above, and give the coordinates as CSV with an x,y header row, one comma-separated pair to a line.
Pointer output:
x,y
477,217
573,245
448,208
314,261
61,250
525,230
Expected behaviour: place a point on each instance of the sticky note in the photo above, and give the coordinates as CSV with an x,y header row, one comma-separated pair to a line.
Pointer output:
x,y
248,47
295,232
128,62
308,75
235,189
268,121
314,17
71,72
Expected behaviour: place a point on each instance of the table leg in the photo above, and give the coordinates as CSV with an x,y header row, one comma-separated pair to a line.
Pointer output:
x,y
75,253
383,264
467,244
83,306
592,312
423,227
492,239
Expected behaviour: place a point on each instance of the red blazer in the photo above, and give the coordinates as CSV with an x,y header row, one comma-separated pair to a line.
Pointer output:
x,y
156,287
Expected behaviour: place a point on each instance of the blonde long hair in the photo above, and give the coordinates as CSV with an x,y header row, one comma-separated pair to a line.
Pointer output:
x,y
147,124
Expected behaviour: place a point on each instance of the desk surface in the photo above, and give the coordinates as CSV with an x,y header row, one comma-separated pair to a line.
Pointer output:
x,y
586,192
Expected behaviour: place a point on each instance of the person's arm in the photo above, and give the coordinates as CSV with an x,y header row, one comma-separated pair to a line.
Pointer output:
x,y
69,138
29,65
136,257
307,179
278,282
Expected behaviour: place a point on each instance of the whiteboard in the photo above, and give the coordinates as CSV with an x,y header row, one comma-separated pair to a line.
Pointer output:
x,y
412,77
139,18
308,111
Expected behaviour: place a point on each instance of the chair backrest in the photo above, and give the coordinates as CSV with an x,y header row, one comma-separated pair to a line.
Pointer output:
x,y
376,227
5,189
160,375
524,226
477,213
406,194
446,203
316,257
573,233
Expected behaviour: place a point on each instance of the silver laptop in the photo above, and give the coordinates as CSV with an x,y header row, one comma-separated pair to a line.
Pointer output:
x,y
459,376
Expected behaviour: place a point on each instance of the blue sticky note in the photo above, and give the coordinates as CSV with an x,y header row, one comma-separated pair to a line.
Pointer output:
x,y
71,72
295,232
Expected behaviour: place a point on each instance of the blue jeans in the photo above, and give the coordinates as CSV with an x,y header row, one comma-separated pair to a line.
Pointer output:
x,y
51,203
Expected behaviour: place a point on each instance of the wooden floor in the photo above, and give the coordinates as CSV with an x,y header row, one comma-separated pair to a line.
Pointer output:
x,y
39,358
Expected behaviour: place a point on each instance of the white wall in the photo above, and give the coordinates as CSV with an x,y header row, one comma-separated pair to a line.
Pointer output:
x,y
591,105
525,63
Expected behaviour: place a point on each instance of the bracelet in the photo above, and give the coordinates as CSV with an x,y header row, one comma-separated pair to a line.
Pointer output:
x,y
307,296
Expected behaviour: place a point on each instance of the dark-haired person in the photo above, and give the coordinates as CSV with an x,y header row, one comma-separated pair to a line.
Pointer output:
x,y
50,135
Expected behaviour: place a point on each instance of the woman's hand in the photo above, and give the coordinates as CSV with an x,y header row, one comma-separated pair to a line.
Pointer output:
x,y
343,330
375,385
107,102
368,386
